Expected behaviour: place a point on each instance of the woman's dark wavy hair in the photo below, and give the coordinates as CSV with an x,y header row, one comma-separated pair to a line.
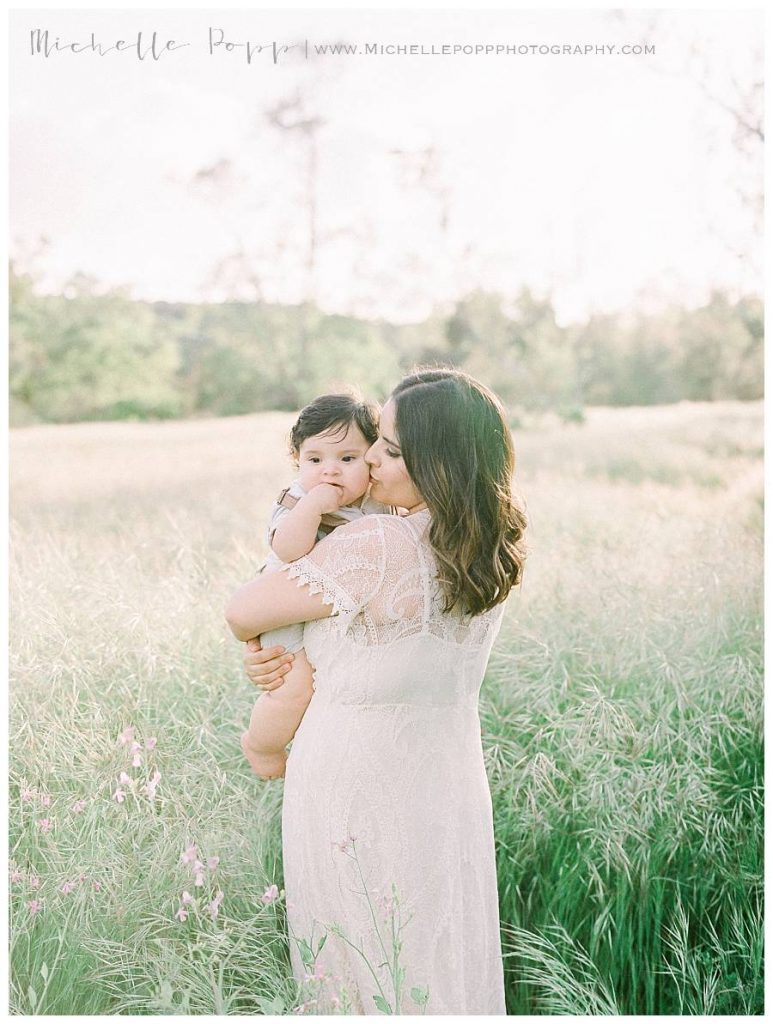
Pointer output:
x,y
459,453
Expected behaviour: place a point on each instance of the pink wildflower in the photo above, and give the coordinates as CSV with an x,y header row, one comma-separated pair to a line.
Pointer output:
x,y
119,796
198,881
81,878
182,914
67,888
34,906
189,854
45,800
150,744
28,794
33,882
214,906
127,736
271,894
124,779
212,863
17,876
96,886
45,824
150,787
78,806
136,761
186,898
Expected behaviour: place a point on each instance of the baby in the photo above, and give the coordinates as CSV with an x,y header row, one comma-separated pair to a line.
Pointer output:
x,y
328,444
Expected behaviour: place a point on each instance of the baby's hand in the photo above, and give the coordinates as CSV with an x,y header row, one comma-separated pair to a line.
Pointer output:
x,y
326,497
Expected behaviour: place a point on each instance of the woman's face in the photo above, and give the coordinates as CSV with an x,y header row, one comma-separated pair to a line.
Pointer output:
x,y
390,483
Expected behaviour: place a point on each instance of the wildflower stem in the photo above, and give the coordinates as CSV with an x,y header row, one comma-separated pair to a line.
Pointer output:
x,y
370,905
367,962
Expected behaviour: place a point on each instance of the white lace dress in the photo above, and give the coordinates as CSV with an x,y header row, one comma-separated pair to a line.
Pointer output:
x,y
386,786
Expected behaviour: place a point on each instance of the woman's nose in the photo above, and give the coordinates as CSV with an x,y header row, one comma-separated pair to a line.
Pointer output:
x,y
370,455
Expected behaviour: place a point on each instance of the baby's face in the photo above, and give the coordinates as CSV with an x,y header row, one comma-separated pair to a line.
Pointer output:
x,y
336,458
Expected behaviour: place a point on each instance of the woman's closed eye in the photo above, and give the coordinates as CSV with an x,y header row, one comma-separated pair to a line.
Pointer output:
x,y
389,449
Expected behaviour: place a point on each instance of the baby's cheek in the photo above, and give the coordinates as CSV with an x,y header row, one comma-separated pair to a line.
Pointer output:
x,y
362,478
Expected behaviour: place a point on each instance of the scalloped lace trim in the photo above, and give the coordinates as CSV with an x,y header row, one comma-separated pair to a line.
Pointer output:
x,y
318,582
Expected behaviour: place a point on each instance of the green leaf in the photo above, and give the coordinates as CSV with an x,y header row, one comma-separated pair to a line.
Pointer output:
x,y
306,954
382,1004
44,972
322,942
33,998
419,995
272,1007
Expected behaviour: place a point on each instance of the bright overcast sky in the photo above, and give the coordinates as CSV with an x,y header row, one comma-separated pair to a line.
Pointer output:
x,y
599,177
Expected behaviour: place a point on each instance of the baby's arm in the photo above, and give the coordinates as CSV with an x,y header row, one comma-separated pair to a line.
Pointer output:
x,y
275,719
296,532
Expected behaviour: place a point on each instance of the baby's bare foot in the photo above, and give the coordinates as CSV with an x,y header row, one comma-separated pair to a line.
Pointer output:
x,y
271,766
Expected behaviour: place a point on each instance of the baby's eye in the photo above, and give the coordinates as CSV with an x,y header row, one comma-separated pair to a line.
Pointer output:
x,y
350,458
313,458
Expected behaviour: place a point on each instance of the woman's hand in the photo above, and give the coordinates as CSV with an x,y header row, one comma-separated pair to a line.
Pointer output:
x,y
266,669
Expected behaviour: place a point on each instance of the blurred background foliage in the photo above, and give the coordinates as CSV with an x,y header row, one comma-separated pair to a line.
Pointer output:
x,y
86,355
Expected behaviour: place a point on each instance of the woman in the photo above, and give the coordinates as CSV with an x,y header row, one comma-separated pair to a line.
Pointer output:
x,y
387,827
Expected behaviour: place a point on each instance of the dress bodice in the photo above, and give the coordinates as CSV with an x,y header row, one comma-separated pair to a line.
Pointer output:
x,y
389,640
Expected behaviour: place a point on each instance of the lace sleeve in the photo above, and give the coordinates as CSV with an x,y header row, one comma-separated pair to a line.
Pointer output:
x,y
347,567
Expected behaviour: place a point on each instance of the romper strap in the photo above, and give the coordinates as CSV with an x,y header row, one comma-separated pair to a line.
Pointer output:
x,y
286,499
330,521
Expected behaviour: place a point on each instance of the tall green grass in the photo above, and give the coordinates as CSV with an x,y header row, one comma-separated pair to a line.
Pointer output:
x,y
622,720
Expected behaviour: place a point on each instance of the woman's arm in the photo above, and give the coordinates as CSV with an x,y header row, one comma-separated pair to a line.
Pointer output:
x,y
272,600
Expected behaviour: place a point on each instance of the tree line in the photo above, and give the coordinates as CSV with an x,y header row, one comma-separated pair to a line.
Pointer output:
x,y
89,356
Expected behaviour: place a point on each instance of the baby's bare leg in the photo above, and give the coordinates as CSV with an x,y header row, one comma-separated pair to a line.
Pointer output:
x,y
275,718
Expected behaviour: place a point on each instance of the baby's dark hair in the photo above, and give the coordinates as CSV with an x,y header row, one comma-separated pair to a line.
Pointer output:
x,y
329,411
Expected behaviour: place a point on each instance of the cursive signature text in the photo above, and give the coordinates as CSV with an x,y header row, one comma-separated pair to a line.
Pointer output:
x,y
143,46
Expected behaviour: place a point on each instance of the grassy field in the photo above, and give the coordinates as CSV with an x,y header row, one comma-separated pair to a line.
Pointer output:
x,y
622,720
